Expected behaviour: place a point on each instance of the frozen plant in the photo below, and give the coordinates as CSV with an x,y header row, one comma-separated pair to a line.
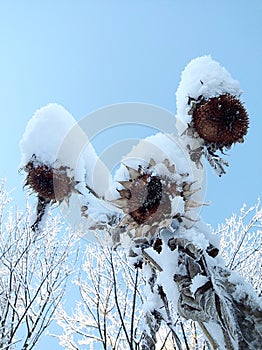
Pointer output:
x,y
176,251
157,195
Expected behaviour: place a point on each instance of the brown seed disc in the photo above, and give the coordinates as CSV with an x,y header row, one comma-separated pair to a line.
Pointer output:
x,y
49,183
145,200
146,194
148,200
222,120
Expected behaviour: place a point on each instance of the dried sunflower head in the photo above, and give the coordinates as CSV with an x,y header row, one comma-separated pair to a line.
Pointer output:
x,y
210,116
220,121
150,201
216,123
49,182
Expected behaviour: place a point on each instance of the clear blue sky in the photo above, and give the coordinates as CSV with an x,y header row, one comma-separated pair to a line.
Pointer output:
x,y
89,54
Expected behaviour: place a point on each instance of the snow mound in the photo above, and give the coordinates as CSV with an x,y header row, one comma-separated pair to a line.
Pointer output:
x,y
159,147
44,134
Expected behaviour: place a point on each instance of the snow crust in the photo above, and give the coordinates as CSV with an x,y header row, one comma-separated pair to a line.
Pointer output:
x,y
97,175
202,76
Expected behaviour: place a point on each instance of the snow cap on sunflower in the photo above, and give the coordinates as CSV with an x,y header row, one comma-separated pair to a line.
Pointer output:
x,y
61,163
156,185
48,176
209,109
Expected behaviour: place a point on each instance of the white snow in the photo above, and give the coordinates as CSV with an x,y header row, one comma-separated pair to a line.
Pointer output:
x,y
160,147
153,301
54,137
202,76
177,205
45,132
201,227
215,331
244,289
197,282
195,236
168,261
97,175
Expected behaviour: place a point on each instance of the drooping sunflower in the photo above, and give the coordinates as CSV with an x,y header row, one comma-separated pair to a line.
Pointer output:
x,y
211,116
51,184
216,124
150,200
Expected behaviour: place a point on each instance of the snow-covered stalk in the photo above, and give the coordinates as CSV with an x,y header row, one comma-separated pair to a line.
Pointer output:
x,y
157,310
152,315
155,192
219,300
194,277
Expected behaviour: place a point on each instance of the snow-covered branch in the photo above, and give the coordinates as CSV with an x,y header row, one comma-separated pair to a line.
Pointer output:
x,y
34,272
241,242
